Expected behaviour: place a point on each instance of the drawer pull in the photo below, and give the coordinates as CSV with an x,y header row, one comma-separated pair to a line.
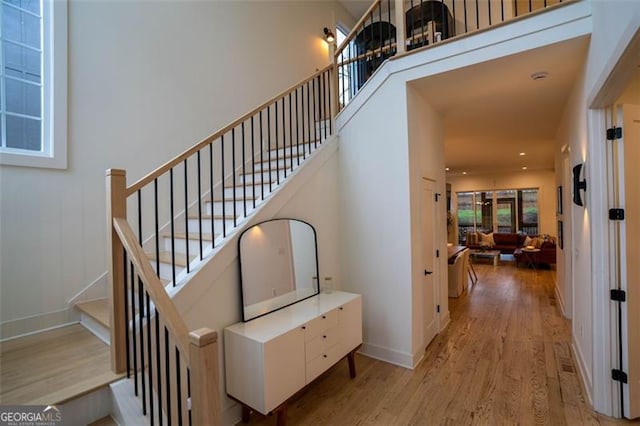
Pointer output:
x,y
324,337
304,328
341,308
324,317
324,355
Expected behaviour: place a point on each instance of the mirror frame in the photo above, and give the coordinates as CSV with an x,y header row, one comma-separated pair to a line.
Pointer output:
x,y
315,239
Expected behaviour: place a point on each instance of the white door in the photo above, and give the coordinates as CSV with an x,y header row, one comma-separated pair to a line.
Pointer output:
x,y
429,293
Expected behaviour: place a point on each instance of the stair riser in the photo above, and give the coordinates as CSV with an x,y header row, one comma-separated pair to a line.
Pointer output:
x,y
194,225
216,207
264,176
180,245
228,192
280,164
302,148
165,270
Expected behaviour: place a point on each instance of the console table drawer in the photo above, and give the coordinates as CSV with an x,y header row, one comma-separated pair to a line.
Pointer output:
x,y
322,342
315,327
321,363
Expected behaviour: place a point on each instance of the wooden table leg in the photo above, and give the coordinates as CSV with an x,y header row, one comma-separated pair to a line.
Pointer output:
x,y
352,363
281,415
246,414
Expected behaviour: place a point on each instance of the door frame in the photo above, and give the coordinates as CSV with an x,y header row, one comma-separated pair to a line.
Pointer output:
x,y
436,264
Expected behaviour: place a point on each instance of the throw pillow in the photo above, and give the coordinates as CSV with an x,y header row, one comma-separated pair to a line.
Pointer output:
x,y
487,239
472,238
537,242
527,242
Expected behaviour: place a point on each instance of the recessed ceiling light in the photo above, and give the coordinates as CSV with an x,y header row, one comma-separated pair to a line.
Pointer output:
x,y
447,168
464,173
523,153
524,168
540,75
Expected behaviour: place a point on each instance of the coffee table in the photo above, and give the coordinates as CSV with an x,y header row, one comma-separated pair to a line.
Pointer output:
x,y
486,254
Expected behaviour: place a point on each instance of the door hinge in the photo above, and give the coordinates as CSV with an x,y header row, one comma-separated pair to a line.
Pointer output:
x,y
619,376
616,214
438,308
618,295
437,196
614,133
437,253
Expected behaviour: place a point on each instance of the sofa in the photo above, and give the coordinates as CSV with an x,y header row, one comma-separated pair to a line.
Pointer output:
x,y
507,243
546,255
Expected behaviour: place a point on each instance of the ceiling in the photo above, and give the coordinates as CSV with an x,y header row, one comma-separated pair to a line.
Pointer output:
x,y
356,8
493,111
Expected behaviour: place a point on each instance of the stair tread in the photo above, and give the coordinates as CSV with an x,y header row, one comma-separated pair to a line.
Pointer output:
x,y
105,421
215,217
239,197
97,309
165,257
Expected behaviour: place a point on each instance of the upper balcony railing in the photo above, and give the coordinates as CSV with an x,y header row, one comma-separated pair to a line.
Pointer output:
x,y
391,27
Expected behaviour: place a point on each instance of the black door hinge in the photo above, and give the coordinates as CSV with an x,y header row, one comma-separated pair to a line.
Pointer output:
x,y
614,133
437,196
618,295
619,376
616,214
437,253
438,309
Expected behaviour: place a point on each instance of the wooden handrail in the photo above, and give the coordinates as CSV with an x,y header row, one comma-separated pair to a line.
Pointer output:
x,y
356,28
197,147
157,293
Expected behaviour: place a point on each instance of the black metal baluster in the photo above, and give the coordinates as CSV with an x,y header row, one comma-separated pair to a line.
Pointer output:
x,y
297,131
304,134
173,234
324,104
244,184
515,5
268,149
329,81
159,394
126,314
212,216
277,147
261,158
141,332
167,374
178,386
391,53
200,205
502,10
530,6
224,210
253,161
156,225
477,15
423,24
411,29
319,131
189,392
443,16
290,136
149,362
381,47
489,6
284,145
233,176
453,12
186,213
309,103
312,99
132,283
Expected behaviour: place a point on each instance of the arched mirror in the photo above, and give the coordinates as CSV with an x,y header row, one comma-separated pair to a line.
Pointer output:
x,y
278,266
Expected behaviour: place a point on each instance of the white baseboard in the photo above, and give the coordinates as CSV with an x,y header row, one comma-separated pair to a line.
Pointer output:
x,y
583,375
98,289
445,319
401,359
87,408
37,323
560,302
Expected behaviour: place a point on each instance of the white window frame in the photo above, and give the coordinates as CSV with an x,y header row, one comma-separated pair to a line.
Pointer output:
x,y
54,104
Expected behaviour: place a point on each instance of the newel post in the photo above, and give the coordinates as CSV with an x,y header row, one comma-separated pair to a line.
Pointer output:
x,y
116,208
205,381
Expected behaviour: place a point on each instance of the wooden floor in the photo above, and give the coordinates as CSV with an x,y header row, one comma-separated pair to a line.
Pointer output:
x,y
504,359
53,367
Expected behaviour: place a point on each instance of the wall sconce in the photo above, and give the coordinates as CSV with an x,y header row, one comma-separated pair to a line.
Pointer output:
x,y
328,35
578,185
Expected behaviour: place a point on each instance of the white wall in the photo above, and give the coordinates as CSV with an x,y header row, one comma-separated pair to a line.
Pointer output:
x,y
147,79
544,180
375,221
426,157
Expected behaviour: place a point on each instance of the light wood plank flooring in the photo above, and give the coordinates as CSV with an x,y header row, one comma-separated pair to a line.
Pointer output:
x,y
53,367
505,359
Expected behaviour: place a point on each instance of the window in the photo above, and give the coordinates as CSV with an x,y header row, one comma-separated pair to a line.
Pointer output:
x,y
33,83
344,76
515,209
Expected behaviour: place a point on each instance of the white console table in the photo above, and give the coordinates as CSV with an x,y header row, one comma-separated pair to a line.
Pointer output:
x,y
270,358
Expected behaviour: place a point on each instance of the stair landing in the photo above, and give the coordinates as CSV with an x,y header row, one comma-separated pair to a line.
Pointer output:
x,y
53,367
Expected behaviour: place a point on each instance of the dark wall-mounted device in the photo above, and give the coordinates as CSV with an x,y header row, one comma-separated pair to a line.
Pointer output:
x,y
578,185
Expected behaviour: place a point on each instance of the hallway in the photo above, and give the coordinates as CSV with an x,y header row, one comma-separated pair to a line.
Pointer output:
x,y
505,358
